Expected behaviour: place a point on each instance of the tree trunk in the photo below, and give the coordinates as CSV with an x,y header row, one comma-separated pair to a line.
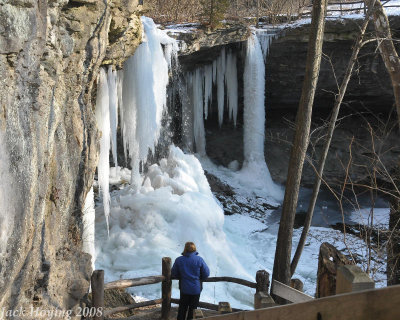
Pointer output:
x,y
331,128
281,270
329,260
392,64
387,50
393,247
211,13
258,14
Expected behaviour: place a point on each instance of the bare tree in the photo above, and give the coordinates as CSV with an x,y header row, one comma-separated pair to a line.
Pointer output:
x,y
281,271
392,64
329,134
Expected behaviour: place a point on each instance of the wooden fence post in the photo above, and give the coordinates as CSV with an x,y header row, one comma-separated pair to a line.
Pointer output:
x,y
224,307
97,282
166,287
261,298
352,278
297,284
262,279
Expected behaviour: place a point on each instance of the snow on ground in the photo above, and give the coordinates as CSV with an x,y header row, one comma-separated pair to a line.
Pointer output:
x,y
245,183
392,8
379,216
175,205
183,27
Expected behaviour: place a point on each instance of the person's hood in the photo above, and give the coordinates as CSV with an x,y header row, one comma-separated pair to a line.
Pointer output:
x,y
188,254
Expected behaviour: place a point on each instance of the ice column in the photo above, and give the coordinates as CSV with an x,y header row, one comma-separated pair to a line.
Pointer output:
x,y
208,86
197,98
221,68
103,122
113,100
254,117
232,86
88,226
144,94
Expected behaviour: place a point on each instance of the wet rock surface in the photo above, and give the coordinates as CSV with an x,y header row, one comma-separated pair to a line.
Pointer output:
x,y
50,54
369,86
233,203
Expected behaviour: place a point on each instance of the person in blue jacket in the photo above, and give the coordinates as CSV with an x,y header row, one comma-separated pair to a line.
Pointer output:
x,y
190,269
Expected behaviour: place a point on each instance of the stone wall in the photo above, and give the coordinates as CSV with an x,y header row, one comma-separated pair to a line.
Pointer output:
x,y
50,54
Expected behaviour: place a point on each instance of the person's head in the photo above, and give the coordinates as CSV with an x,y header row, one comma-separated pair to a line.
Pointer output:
x,y
189,247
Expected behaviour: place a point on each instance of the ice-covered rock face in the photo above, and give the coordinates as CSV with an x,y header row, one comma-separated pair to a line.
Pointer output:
x,y
50,52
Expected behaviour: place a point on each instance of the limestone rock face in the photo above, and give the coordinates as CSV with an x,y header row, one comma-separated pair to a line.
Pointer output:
x,y
201,46
369,97
369,86
50,54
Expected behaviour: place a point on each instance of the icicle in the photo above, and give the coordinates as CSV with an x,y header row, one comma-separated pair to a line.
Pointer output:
x,y
214,67
120,108
232,86
88,226
185,94
144,95
208,75
265,40
221,67
113,96
103,122
197,99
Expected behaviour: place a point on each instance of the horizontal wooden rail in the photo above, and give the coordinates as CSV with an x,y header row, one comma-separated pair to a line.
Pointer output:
x,y
132,306
234,280
289,293
344,3
126,283
363,305
206,305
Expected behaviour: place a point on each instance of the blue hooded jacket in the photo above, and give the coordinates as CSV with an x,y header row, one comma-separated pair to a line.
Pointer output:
x,y
190,269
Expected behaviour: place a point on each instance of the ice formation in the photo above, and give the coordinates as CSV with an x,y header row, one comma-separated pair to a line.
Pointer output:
x,y
144,94
7,208
196,98
208,89
198,124
140,95
89,226
254,165
221,68
265,38
174,205
232,87
103,123
113,105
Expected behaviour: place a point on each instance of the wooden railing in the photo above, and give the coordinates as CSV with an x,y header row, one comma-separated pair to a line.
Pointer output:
x,y
98,287
364,305
261,285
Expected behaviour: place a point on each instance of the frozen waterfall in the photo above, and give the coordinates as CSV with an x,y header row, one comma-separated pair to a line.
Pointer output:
x,y
144,94
254,165
197,95
139,93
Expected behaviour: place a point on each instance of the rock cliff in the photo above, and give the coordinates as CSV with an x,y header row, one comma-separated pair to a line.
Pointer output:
x,y
50,53
369,98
